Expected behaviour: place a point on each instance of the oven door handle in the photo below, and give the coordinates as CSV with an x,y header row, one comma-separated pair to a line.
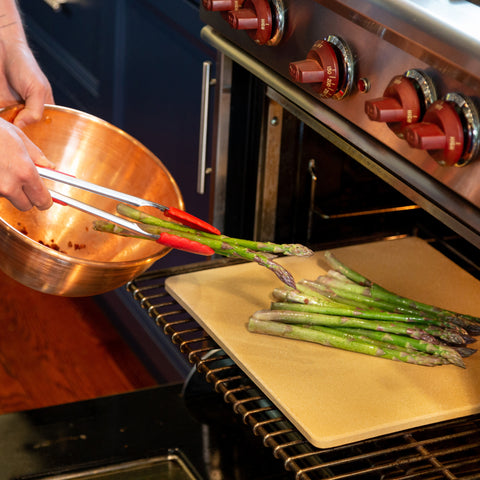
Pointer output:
x,y
202,169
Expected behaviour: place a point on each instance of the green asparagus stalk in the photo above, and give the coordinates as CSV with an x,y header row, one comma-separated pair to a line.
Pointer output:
x,y
464,320
321,293
366,296
452,355
339,276
348,297
227,250
345,270
371,314
294,296
214,241
107,227
266,247
327,337
314,290
451,336
304,318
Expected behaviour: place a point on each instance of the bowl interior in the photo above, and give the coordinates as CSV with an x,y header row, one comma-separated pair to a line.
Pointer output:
x,y
93,150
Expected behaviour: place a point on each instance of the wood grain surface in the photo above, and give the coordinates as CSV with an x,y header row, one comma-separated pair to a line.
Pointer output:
x,y
57,350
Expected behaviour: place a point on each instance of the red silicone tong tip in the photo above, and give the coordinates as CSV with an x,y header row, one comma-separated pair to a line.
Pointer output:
x,y
55,170
186,219
56,200
184,244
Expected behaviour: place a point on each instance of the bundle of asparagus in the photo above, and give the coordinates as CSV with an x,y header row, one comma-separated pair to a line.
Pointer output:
x,y
343,309
261,252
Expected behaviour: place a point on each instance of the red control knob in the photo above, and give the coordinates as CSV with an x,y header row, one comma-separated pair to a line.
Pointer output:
x,y
221,5
400,105
319,69
256,18
441,133
328,68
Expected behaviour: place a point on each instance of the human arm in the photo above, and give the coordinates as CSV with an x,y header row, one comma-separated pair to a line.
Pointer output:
x,y
21,80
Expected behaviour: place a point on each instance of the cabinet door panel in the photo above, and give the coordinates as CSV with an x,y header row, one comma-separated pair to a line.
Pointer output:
x,y
162,87
74,47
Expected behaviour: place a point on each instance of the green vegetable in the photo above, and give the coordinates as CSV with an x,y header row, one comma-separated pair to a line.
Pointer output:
x,y
332,338
305,318
262,253
452,355
468,322
345,310
448,333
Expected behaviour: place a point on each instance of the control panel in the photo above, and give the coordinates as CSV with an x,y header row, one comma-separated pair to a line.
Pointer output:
x,y
387,86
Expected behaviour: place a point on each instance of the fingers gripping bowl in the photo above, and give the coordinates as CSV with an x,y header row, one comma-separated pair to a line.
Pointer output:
x,y
57,251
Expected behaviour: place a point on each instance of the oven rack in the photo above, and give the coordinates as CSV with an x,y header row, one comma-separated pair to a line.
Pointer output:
x,y
447,450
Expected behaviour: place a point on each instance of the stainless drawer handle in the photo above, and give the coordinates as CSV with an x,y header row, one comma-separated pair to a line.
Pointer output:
x,y
55,4
202,170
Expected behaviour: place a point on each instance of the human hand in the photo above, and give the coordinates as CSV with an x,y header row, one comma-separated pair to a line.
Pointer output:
x,y
19,181
23,80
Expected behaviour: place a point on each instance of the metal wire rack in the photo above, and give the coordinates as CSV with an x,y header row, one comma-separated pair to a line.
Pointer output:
x,y
448,450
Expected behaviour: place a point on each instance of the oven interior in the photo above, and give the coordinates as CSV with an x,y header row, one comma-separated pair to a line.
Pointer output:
x,y
324,198
323,194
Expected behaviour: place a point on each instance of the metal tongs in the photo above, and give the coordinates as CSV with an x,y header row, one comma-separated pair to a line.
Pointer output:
x,y
166,239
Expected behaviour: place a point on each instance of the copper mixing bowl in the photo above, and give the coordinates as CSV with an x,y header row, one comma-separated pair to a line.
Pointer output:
x,y
87,262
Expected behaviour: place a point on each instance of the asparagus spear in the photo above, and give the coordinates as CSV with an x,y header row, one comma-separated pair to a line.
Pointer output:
x,y
304,318
345,270
328,337
220,244
448,335
320,293
266,247
464,320
221,249
367,296
348,311
314,290
348,297
409,343
450,356
294,296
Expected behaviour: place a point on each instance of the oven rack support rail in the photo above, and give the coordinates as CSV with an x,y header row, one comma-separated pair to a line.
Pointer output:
x,y
447,450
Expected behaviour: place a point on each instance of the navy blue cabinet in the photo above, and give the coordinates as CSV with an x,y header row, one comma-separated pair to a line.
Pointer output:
x,y
75,45
162,87
134,63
